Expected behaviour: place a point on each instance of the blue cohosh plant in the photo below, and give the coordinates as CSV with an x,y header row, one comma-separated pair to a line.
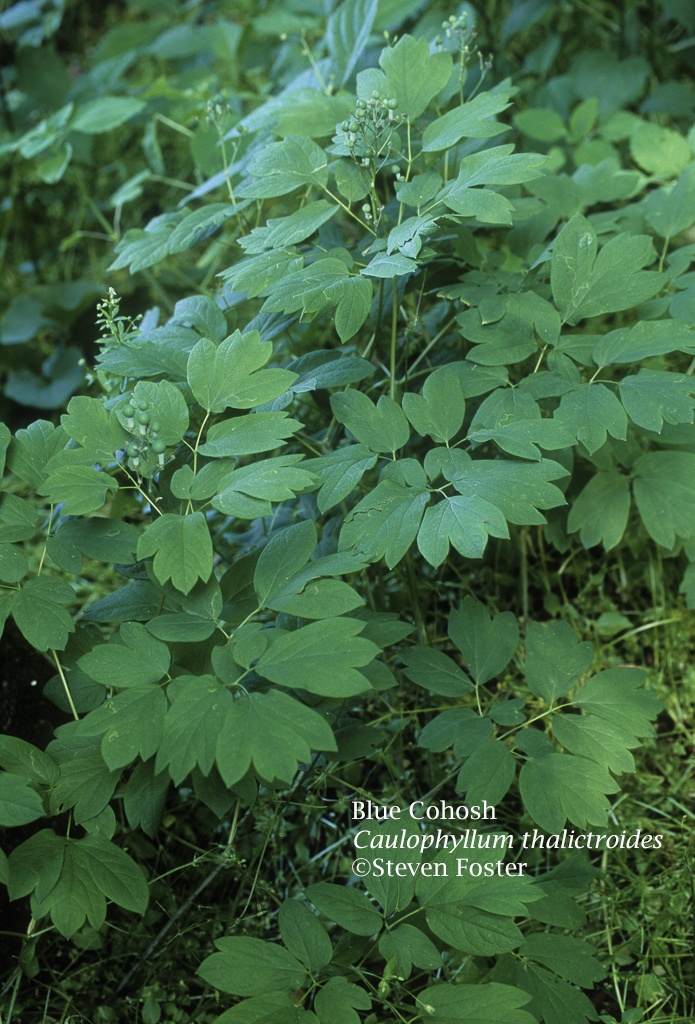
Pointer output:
x,y
419,353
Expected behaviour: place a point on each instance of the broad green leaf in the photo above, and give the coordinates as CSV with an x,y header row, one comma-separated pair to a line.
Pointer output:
x,y
487,644
39,613
337,1001
80,489
460,728
167,406
182,549
664,489
555,659
608,491
86,785
387,265
652,396
104,114
488,773
199,225
543,124
272,733
439,411
409,945
561,786
32,448
249,967
385,523
659,150
22,758
435,672
35,865
13,564
320,599
267,480
226,375
131,725
574,255
248,435
597,739
381,427
353,307
134,659
191,726
526,438
95,429
413,75
271,1008
490,1003
304,935
518,489
281,167
618,696
340,471
571,958
144,797
347,907
315,288
591,411
104,540
141,248
181,628
284,555
668,211
19,803
646,338
474,119
321,658
464,522
558,1001
347,35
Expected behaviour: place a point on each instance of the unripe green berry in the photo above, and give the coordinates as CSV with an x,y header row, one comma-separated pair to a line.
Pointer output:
x,y
143,405
128,410
392,104
155,426
345,126
159,447
143,417
133,450
361,104
353,126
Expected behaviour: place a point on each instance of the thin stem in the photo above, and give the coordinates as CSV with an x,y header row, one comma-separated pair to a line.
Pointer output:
x,y
394,337
65,686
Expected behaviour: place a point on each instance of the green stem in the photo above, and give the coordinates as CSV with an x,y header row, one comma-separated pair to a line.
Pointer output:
x,y
394,336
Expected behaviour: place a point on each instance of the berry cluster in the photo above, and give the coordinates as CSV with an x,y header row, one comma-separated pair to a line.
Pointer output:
x,y
369,132
147,442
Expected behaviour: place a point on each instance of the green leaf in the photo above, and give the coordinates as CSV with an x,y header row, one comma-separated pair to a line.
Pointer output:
x,y
387,265
608,491
38,611
267,480
353,307
131,725
32,448
134,659
271,732
281,167
561,786
668,211
555,659
487,644
543,124
304,935
409,946
301,659
337,1000
86,784
347,907
284,555
199,225
248,435
315,288
617,695
385,523
474,119
249,967
587,283
592,411
517,489
347,35
271,1008
646,338
285,231
525,438
79,489
597,739
490,1003
339,472
465,522
488,773
144,797
191,726
19,803
182,549
22,758
664,489
439,412
13,564
104,114
571,958
381,427
413,75
660,151
167,405
652,396
435,672
226,376
104,540
557,1001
